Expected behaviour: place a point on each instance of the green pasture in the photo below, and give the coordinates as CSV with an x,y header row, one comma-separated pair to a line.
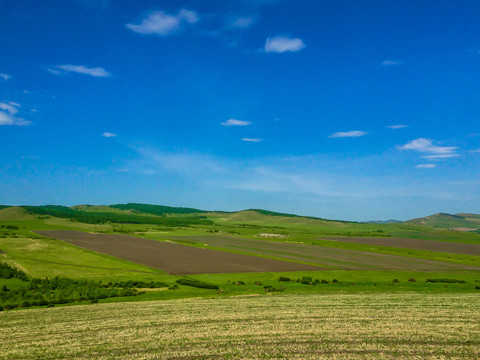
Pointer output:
x,y
44,257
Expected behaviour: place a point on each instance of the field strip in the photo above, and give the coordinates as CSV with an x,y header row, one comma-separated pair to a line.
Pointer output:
x,y
414,244
81,266
344,259
314,326
173,258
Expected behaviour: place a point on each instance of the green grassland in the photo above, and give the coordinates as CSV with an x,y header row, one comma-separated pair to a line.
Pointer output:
x,y
41,257
80,304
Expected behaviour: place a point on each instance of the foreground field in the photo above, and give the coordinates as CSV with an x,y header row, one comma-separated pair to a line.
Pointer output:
x,y
399,326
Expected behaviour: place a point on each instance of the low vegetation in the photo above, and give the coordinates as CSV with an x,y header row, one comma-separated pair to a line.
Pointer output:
x,y
278,326
196,283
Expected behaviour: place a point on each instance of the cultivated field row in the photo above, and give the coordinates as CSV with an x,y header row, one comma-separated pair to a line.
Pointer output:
x,y
400,326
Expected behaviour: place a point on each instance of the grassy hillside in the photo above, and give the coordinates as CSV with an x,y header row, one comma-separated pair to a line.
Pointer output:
x,y
42,257
449,221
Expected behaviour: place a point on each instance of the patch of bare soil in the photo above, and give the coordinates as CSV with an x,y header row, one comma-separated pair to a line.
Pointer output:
x,y
415,244
174,258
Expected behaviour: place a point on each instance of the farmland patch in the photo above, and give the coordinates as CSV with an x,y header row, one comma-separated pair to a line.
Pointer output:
x,y
173,258
333,257
416,244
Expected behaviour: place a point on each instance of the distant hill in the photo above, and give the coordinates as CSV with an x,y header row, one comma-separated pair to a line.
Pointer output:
x,y
461,221
391,221
157,209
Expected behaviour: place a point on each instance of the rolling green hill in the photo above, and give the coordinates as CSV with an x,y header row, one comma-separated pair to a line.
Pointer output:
x,y
462,221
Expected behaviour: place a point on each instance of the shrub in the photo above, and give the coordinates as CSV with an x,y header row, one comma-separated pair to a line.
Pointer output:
x,y
477,287
283,278
270,288
412,280
258,283
448,281
324,282
196,283
335,281
395,280
240,283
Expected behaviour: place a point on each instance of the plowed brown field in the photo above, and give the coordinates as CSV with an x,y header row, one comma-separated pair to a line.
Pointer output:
x,y
416,244
173,258
344,259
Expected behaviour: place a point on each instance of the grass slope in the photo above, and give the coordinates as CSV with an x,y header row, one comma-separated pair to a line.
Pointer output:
x,y
449,221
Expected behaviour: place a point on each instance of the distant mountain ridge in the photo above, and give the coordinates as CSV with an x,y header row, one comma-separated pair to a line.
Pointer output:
x,y
460,221
139,212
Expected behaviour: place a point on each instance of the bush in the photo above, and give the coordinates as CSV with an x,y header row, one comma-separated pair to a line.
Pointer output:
x,y
412,280
283,278
477,287
395,280
335,281
196,283
270,288
448,281
324,282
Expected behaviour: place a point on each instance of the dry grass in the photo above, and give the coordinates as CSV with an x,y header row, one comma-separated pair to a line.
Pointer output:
x,y
401,326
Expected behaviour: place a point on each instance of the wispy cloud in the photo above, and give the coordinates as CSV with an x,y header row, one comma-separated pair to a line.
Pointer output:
x,y
255,140
109,135
79,69
240,22
426,166
161,23
391,63
8,115
5,76
281,44
343,134
395,127
235,122
431,151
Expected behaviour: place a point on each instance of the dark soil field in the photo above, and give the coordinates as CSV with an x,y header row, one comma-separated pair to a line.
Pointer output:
x,y
173,258
337,258
416,244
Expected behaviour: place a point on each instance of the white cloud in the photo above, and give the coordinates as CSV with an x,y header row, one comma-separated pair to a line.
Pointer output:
x,y
242,22
235,122
395,127
426,146
8,115
161,23
391,63
108,134
80,69
343,134
280,44
440,156
257,140
5,76
426,166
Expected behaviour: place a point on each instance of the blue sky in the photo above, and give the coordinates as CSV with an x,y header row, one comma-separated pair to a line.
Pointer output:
x,y
354,110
